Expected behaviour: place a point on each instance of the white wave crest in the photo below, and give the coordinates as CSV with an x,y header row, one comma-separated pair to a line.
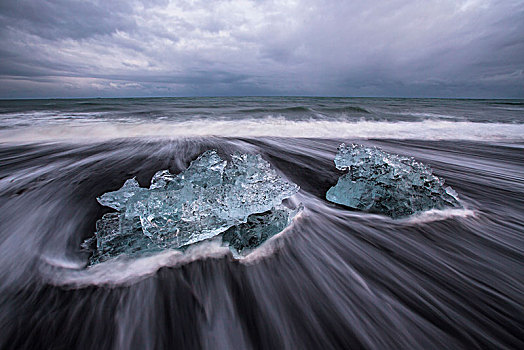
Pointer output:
x,y
268,127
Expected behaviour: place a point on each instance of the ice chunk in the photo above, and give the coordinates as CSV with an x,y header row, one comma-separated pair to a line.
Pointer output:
x,y
385,183
209,197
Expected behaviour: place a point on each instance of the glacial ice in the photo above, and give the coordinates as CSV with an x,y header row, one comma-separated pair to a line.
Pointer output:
x,y
212,196
118,199
258,228
390,184
114,236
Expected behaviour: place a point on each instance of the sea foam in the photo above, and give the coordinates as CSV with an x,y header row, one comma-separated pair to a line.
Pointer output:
x,y
267,127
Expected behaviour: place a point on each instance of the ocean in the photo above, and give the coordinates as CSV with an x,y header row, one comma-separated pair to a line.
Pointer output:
x,y
335,279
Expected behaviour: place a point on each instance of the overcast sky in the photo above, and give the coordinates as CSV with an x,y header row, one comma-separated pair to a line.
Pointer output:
x,y
113,48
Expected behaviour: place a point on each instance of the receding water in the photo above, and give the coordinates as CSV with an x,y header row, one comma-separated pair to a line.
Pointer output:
x,y
336,278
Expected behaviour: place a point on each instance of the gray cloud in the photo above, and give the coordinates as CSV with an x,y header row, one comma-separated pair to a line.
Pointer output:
x,y
441,48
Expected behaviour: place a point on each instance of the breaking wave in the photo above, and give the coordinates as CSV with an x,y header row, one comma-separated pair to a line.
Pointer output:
x,y
269,127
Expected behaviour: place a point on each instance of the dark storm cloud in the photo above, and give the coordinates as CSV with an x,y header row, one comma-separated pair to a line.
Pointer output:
x,y
444,48
57,19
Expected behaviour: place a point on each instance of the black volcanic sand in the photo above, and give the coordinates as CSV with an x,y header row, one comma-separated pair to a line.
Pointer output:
x,y
338,279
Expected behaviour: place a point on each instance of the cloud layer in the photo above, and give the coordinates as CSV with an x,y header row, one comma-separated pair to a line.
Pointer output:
x,y
440,48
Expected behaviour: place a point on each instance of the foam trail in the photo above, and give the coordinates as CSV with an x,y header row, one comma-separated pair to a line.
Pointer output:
x,y
119,272
438,214
336,278
269,127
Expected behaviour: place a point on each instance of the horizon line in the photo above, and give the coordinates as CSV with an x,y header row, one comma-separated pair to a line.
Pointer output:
x,y
256,96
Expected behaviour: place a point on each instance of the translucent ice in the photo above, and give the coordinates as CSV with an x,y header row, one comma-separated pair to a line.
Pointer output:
x,y
114,236
258,228
208,198
385,183
118,199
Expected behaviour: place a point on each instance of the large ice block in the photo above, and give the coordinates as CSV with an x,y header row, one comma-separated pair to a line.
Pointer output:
x,y
208,198
211,196
390,184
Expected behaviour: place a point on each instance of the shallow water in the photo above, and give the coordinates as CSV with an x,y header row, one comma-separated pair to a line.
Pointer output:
x,y
334,279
